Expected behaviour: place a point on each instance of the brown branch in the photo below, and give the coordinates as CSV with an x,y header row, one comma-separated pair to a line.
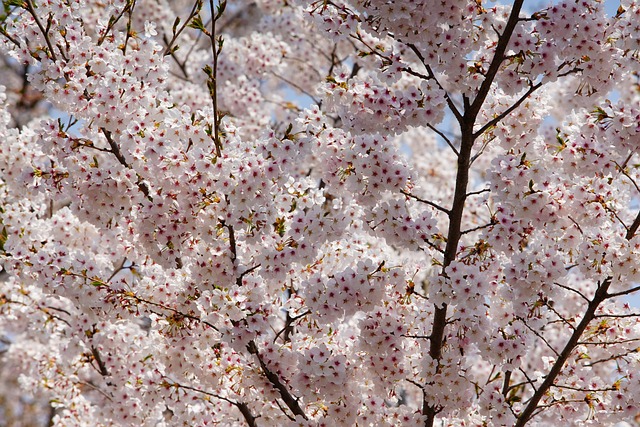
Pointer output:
x,y
242,407
115,150
508,111
431,75
433,246
5,34
614,357
539,335
444,137
287,398
411,71
521,383
532,405
113,20
288,327
246,413
197,6
426,202
232,240
625,173
608,343
212,82
498,57
505,383
631,232
101,366
616,315
572,290
529,380
560,317
45,32
244,273
467,138
129,10
480,227
586,390
475,193
173,310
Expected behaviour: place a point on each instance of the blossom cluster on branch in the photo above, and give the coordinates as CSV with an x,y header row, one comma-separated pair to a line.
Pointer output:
x,y
319,213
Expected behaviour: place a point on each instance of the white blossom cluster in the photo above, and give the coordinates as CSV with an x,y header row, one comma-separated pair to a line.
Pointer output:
x,y
319,213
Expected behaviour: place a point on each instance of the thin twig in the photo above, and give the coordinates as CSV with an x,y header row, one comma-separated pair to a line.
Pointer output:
x,y
480,227
539,335
624,293
44,32
491,123
431,75
614,357
242,407
532,405
443,136
113,20
572,290
129,10
475,193
197,5
427,202
244,273
115,150
296,86
288,327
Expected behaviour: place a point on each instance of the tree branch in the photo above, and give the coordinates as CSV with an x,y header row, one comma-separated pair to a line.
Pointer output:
x,y
480,227
426,202
623,293
431,75
467,138
444,137
532,405
197,6
115,150
43,30
242,407
539,335
572,290
633,228
212,82
498,57
287,398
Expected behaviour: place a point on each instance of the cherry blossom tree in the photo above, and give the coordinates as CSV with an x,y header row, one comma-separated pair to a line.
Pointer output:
x,y
319,213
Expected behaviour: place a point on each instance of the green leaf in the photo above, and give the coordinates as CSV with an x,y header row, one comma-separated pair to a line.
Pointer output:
x,y
220,9
279,226
18,3
196,23
3,238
